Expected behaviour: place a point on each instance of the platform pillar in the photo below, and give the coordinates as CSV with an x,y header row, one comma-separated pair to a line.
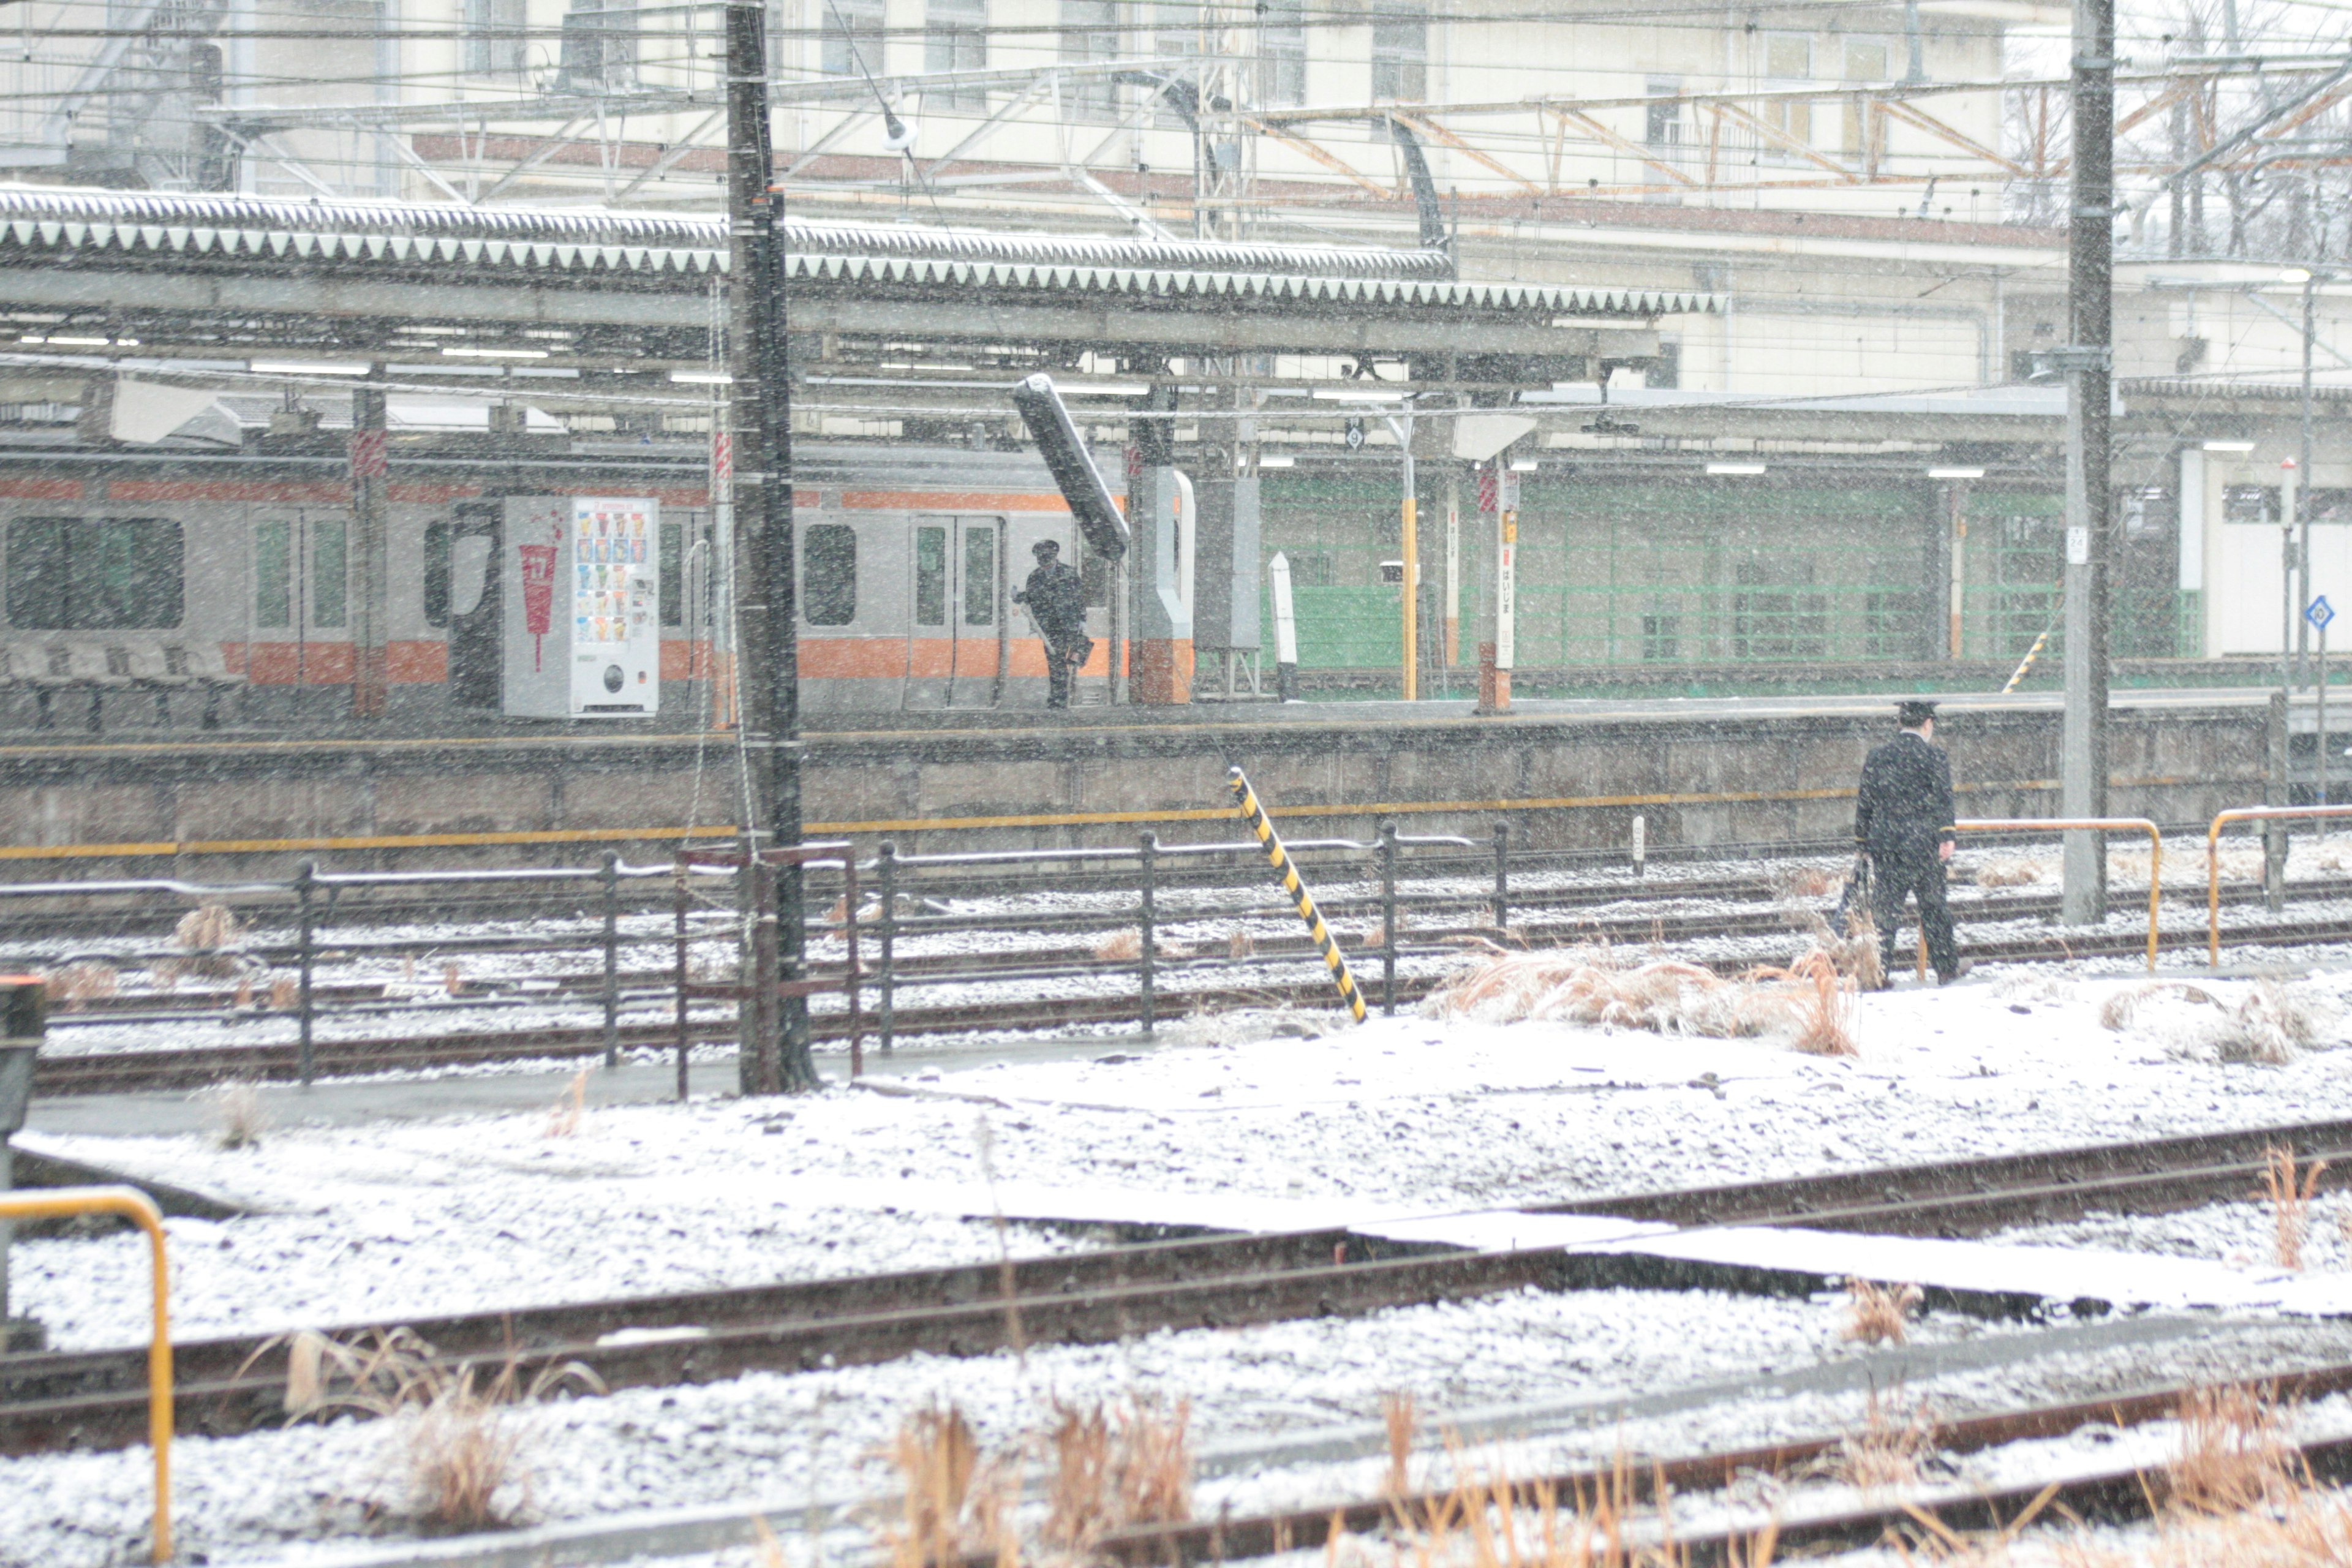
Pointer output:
x,y
371,551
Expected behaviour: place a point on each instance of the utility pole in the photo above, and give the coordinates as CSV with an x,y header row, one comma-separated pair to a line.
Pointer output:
x,y
2310,281
774,1050
2090,370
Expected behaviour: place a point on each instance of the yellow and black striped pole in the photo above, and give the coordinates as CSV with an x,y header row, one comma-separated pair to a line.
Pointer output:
x,y
2031,655
1245,801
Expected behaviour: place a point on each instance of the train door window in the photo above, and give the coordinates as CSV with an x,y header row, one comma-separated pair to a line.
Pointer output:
x,y
95,573
829,573
330,572
273,573
930,575
436,574
980,574
673,574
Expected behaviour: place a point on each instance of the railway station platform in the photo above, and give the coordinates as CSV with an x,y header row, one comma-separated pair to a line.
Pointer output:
x,y
1565,772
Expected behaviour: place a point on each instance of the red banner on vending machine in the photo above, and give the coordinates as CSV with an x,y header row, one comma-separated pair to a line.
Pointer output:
x,y
538,594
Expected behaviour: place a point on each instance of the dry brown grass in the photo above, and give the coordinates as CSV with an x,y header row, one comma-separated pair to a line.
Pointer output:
x,y
245,990
1879,1314
237,1115
285,992
953,1502
2290,1199
2010,872
1113,1466
2234,1454
459,1440
202,932
1854,954
453,979
2118,1010
1805,881
1120,947
1487,1521
570,1108
1808,1001
1887,1452
1241,945
1400,1415
76,986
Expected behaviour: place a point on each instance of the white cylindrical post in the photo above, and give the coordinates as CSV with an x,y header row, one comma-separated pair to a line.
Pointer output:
x,y
1286,629
1641,845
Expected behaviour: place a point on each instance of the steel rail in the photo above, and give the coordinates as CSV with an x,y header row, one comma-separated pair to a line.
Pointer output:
x,y
2113,1495
197,1067
75,1397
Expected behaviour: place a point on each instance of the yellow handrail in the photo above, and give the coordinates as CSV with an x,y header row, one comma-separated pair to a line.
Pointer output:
x,y
2213,858
140,1209
2067,824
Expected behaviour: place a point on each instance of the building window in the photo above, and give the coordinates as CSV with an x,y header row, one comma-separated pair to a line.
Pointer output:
x,y
600,45
1400,52
1892,625
2250,503
494,45
1775,618
1789,62
1662,122
956,39
979,576
829,573
851,34
1864,129
1662,636
671,573
1667,369
1282,52
1090,36
94,574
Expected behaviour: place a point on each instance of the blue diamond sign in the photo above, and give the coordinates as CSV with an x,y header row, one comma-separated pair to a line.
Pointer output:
x,y
2319,612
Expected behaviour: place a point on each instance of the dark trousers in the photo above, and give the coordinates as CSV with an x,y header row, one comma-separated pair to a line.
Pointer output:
x,y
1061,664
1900,873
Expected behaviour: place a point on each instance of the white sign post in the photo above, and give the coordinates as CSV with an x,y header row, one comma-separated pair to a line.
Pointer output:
x,y
1286,629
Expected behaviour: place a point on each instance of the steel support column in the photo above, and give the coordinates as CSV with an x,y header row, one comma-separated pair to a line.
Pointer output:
x,y
2089,411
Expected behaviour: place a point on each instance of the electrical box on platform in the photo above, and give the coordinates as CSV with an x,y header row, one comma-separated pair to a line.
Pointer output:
x,y
582,595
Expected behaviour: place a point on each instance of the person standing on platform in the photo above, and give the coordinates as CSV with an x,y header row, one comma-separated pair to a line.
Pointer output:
x,y
1904,823
1058,603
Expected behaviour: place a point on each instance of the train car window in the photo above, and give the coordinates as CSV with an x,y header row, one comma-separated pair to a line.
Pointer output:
x,y
436,574
829,573
979,576
108,573
930,576
329,566
1094,581
273,573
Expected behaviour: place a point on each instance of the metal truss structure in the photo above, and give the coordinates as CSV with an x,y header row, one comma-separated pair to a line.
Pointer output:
x,y
1071,136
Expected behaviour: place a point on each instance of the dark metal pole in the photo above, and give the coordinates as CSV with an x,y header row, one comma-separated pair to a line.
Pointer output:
x,y
1387,856
612,880
760,418
684,975
1147,851
2089,514
1502,877
886,882
2303,484
307,945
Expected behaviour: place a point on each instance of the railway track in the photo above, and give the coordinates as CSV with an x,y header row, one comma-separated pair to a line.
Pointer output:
x,y
87,1399
2111,1495
196,1067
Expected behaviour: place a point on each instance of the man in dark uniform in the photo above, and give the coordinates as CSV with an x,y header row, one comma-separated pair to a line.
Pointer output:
x,y
1903,822
1056,601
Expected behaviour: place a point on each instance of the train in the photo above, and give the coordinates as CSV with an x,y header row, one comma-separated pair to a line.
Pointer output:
x,y
178,589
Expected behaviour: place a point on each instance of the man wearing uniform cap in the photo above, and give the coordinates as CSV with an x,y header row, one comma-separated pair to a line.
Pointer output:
x,y
1056,601
1904,823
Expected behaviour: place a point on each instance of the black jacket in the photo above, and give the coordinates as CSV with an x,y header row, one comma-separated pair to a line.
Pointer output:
x,y
1056,599
1907,797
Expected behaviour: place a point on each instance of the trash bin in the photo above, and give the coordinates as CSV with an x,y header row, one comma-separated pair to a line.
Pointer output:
x,y
21,1025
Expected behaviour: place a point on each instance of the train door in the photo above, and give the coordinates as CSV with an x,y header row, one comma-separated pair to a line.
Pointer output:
x,y
476,652
959,607
301,635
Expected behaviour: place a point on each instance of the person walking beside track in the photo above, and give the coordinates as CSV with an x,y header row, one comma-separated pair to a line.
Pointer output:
x,y
1058,603
1903,821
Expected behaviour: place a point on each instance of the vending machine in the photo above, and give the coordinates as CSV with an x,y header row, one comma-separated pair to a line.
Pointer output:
x,y
582,581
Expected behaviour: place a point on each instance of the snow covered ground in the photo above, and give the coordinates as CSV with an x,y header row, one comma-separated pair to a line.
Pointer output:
x,y
1237,1115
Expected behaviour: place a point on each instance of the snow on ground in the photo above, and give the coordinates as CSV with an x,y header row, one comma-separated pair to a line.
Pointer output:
x,y
1403,1115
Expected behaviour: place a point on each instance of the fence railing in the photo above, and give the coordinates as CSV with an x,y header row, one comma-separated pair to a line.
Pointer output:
x,y
2106,824
2214,857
